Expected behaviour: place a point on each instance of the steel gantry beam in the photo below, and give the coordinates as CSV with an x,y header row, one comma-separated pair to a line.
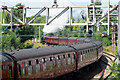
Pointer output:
x,y
70,8
62,12
115,8
38,13
14,16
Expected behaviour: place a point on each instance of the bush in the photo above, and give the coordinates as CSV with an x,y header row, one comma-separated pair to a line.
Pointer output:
x,y
28,44
106,41
10,41
116,72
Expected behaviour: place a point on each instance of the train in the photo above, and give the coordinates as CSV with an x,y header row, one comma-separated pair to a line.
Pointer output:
x,y
50,62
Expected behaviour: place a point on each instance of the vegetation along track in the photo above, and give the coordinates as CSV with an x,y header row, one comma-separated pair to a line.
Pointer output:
x,y
107,72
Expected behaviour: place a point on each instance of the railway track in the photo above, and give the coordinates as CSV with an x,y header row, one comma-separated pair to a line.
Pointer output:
x,y
107,72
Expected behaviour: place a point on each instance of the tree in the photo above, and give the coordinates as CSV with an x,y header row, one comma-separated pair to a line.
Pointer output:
x,y
26,33
39,19
106,41
10,41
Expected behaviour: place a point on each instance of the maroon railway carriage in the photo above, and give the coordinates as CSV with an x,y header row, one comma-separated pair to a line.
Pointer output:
x,y
8,67
51,62
62,40
72,40
45,62
50,40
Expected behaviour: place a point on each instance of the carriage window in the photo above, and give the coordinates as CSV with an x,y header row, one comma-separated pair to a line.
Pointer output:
x,y
58,61
37,62
54,61
88,51
19,67
23,68
92,49
81,57
3,67
64,60
44,64
73,58
10,68
69,59
68,55
37,66
50,63
30,68
30,62
63,56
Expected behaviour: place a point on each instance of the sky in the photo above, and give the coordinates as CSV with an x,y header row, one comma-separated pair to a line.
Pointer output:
x,y
40,3
49,2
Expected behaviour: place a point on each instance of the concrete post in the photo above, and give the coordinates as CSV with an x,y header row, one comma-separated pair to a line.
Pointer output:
x,y
11,19
70,17
108,31
98,27
0,32
87,19
39,36
94,15
118,42
47,14
3,16
0,17
23,15
70,20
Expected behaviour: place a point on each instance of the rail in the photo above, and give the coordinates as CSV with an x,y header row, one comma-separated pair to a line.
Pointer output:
x,y
106,54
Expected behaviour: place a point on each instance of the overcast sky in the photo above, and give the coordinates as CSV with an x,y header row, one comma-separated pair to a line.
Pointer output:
x,y
38,3
49,2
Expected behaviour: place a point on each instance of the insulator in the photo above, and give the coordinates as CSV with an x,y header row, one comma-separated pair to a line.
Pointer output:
x,y
4,7
20,25
92,1
55,1
4,32
20,7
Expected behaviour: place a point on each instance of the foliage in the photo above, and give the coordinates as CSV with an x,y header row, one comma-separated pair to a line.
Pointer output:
x,y
26,33
116,72
106,41
28,44
11,41
109,49
39,19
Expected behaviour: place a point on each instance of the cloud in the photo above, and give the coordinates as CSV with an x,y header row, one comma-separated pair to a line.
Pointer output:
x,y
27,1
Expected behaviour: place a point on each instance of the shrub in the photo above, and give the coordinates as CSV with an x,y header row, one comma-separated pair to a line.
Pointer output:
x,y
28,44
106,41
